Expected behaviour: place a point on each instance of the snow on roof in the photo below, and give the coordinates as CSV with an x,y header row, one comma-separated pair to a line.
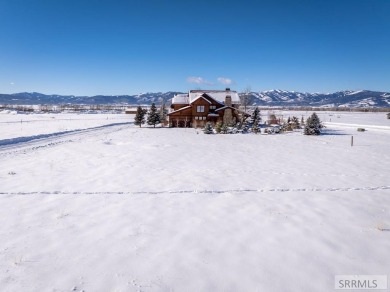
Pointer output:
x,y
200,96
218,95
180,99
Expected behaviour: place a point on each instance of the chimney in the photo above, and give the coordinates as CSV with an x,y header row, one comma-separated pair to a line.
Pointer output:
x,y
228,100
227,89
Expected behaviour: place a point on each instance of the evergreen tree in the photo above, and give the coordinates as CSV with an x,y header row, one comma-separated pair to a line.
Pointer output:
x,y
255,120
245,127
139,118
313,125
208,129
256,128
153,116
255,117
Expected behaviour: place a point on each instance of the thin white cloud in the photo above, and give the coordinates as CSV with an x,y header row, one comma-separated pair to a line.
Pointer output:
x,y
225,81
12,83
198,80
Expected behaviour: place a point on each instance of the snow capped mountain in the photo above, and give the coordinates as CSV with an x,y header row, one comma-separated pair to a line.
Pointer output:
x,y
346,98
30,98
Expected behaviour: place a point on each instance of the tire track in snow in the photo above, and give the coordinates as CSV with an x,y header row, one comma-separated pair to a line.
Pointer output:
x,y
31,143
279,190
19,140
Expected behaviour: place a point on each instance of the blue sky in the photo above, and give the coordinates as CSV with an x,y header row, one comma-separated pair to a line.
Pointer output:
x,y
94,47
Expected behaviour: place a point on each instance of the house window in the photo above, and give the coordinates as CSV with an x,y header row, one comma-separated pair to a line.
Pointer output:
x,y
196,118
213,107
200,108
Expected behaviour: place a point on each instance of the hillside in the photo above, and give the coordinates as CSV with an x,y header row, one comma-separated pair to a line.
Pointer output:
x,y
347,98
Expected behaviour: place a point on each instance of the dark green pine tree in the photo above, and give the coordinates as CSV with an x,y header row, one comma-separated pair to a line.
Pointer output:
x,y
255,120
139,118
153,116
245,127
256,128
208,129
313,125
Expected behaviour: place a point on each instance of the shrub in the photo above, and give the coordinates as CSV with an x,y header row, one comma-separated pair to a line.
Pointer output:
x,y
224,129
218,127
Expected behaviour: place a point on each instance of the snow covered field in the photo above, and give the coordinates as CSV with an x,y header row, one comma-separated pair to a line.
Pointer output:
x,y
93,203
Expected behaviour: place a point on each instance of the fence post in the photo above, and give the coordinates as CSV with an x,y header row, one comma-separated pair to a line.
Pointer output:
x,y
351,141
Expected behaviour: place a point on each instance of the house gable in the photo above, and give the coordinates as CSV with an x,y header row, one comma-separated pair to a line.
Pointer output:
x,y
212,100
200,97
200,107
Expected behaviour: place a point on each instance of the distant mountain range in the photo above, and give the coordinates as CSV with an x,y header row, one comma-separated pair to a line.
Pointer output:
x,y
347,98
33,98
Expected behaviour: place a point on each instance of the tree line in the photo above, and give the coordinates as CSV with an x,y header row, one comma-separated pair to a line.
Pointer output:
x,y
152,117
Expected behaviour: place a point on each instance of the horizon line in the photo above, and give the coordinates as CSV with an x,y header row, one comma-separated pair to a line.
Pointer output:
x,y
154,92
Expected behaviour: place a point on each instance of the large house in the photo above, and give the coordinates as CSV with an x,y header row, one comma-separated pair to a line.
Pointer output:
x,y
200,106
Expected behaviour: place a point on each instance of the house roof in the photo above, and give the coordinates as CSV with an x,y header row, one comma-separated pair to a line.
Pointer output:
x,y
180,109
200,96
210,97
217,95
180,99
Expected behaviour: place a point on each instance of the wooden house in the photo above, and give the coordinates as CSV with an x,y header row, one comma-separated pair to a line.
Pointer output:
x,y
198,107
